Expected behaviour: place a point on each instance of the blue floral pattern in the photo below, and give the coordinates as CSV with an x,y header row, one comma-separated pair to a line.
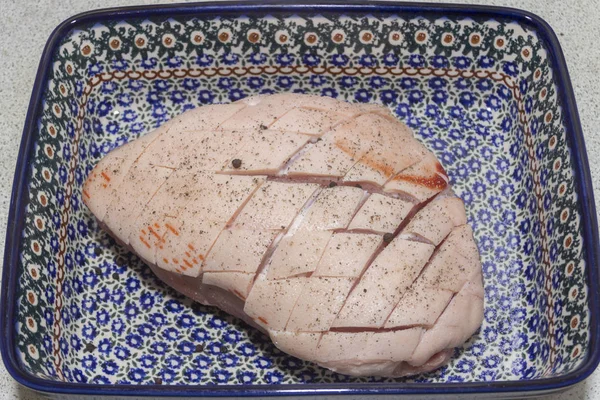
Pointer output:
x,y
498,132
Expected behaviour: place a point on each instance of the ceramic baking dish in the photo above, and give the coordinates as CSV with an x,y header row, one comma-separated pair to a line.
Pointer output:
x,y
487,89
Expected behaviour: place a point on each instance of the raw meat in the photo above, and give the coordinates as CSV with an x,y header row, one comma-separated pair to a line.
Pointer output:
x,y
326,225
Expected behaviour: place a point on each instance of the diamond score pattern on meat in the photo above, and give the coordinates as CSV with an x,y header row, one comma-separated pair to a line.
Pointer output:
x,y
326,225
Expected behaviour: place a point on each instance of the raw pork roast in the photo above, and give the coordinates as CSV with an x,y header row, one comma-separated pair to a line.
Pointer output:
x,y
326,225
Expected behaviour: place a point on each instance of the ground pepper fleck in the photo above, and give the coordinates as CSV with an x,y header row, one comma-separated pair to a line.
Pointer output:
x,y
388,237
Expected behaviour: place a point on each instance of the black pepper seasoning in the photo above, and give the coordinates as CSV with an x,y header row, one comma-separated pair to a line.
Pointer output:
x,y
388,237
237,163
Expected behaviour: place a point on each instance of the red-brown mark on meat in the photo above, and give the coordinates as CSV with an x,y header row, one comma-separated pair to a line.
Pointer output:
x,y
366,159
434,181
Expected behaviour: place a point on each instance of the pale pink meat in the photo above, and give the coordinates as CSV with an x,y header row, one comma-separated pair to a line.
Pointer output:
x,y
422,180
239,250
337,261
308,121
107,176
274,205
297,254
381,213
326,225
383,284
264,151
129,201
271,302
447,212
321,298
301,344
238,283
332,209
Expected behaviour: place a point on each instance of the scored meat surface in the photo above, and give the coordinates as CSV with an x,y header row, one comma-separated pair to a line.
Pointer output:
x,y
326,225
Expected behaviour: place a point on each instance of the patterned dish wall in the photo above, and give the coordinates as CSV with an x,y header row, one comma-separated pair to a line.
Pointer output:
x,y
479,94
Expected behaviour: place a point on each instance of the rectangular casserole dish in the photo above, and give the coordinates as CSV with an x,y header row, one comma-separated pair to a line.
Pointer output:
x,y
485,88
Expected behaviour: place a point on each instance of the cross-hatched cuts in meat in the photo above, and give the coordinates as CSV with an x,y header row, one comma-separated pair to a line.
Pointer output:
x,y
324,224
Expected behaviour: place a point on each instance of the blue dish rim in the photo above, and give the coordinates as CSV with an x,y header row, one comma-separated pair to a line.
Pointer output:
x,y
16,216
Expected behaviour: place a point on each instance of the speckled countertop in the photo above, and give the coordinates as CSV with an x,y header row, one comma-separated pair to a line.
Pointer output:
x,y
25,27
